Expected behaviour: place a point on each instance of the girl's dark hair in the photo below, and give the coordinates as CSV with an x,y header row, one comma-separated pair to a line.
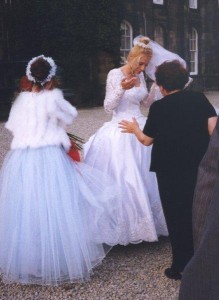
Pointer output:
x,y
40,69
26,85
171,75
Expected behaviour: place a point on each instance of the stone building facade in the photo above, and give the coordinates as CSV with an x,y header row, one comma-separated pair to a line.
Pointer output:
x,y
6,71
187,27
8,67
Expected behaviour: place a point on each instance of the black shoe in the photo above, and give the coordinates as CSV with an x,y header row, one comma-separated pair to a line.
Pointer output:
x,y
173,274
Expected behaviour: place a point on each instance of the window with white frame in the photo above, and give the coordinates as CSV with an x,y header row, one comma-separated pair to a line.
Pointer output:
x,y
158,2
193,4
159,35
193,48
126,40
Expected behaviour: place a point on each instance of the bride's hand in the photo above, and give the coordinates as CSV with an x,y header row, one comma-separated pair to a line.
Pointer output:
x,y
129,127
128,83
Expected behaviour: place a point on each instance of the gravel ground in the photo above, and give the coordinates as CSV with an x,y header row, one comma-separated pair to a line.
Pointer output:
x,y
133,272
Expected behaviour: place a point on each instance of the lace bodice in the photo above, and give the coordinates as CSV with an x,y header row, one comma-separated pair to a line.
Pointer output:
x,y
124,102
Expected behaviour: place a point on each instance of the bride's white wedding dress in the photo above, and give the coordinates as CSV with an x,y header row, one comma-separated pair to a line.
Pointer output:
x,y
124,158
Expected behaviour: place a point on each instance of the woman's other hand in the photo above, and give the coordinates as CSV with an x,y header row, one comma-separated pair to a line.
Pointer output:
x,y
133,127
129,127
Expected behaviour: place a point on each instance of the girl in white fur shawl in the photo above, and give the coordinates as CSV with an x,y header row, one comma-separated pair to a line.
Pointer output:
x,y
52,210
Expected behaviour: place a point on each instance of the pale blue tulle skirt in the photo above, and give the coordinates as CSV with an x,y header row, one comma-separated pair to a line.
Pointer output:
x,y
53,213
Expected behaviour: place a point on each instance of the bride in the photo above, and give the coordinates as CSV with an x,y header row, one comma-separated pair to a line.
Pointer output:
x,y
121,155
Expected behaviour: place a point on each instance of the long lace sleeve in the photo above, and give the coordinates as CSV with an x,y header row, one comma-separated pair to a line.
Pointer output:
x,y
153,95
114,91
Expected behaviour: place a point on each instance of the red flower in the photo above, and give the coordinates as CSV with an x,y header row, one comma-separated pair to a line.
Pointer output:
x,y
74,152
76,146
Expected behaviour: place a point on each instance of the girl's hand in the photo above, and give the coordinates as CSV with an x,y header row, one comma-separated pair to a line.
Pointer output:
x,y
129,127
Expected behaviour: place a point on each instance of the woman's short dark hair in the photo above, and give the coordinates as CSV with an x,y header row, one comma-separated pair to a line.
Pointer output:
x,y
171,75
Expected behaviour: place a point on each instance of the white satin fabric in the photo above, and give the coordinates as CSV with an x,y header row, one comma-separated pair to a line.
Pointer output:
x,y
125,159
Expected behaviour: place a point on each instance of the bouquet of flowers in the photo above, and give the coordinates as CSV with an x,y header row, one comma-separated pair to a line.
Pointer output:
x,y
76,146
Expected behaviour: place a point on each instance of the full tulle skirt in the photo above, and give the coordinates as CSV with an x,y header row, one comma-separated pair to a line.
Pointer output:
x,y
53,213
125,159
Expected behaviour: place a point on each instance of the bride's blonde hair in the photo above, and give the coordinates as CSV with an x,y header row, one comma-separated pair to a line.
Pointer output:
x,y
142,47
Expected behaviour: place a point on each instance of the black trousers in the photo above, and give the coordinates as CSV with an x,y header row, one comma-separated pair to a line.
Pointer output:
x,y
176,193
201,275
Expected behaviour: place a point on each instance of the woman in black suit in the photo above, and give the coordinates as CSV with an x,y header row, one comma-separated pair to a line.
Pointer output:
x,y
179,127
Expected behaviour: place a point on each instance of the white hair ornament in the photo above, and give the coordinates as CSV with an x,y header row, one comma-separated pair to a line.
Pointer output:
x,y
143,45
52,71
137,39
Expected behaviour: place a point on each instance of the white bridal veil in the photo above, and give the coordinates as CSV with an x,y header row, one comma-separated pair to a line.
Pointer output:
x,y
159,56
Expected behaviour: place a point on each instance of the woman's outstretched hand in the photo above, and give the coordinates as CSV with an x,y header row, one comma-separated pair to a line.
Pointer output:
x,y
129,127
133,127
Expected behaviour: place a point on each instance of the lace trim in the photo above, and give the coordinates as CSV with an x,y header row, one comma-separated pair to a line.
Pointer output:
x,y
128,233
114,90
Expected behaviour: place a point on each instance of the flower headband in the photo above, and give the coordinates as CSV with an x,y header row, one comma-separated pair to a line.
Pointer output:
x,y
136,42
140,44
52,71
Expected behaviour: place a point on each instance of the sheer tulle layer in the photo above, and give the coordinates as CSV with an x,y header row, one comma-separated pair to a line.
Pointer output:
x,y
52,216
140,215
